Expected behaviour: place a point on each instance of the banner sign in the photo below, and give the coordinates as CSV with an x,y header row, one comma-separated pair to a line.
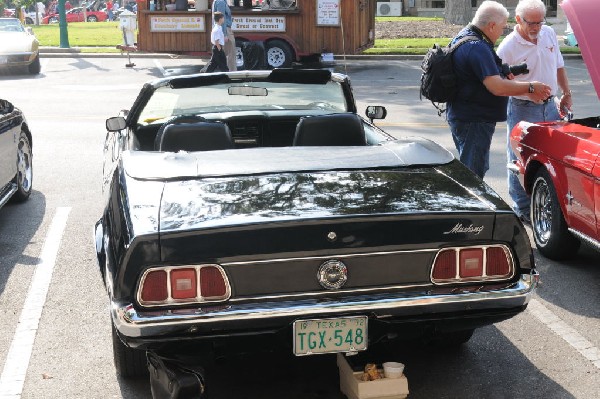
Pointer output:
x,y
258,24
177,24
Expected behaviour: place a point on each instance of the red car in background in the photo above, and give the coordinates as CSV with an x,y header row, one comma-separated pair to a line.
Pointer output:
x,y
9,12
559,162
76,15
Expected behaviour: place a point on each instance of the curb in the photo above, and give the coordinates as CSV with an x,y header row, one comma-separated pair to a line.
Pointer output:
x,y
75,52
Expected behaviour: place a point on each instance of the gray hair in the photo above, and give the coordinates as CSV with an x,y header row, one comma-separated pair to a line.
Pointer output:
x,y
530,5
489,11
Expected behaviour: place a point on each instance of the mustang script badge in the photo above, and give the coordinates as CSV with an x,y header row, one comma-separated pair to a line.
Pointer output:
x,y
459,228
332,274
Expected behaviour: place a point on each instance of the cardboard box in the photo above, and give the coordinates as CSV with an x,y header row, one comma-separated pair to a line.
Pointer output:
x,y
385,388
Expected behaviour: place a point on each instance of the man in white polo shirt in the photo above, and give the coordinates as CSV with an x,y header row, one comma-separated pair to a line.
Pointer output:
x,y
534,43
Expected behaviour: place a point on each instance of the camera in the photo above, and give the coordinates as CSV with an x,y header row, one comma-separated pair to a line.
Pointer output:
x,y
514,69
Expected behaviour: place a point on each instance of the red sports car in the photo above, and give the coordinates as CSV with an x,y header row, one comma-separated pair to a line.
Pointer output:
x,y
76,15
559,163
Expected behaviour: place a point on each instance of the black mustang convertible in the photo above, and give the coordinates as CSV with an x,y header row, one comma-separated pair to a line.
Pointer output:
x,y
257,206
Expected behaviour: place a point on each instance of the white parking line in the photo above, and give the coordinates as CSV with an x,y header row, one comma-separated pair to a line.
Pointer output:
x,y
19,353
160,67
566,332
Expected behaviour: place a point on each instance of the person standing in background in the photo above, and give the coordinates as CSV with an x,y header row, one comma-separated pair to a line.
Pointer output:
x,y
218,61
483,90
109,10
230,51
533,43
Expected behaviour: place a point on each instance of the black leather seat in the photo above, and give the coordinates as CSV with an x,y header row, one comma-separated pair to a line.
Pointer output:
x,y
199,136
330,130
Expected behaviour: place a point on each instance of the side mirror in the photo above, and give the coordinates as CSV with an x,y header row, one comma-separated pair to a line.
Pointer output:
x,y
29,30
376,112
115,124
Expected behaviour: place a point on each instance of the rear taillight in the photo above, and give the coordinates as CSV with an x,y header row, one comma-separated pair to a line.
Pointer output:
x,y
189,284
183,283
155,287
471,262
468,264
212,283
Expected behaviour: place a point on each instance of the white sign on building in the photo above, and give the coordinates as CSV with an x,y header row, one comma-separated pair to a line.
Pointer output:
x,y
177,24
328,12
258,24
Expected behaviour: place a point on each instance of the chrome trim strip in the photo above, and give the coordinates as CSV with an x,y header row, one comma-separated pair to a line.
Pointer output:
x,y
132,323
9,194
584,237
325,293
325,257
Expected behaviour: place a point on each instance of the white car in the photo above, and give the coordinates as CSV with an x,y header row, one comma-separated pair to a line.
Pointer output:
x,y
18,46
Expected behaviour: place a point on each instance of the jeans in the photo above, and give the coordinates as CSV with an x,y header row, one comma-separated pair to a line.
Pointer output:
x,y
473,141
522,110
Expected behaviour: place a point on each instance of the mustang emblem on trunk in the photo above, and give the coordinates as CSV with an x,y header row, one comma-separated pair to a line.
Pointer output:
x,y
459,228
332,274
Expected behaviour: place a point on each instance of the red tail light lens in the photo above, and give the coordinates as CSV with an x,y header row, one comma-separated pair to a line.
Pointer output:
x,y
212,283
183,283
154,287
497,262
445,265
471,262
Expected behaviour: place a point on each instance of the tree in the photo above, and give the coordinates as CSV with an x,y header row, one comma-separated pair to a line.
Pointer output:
x,y
458,12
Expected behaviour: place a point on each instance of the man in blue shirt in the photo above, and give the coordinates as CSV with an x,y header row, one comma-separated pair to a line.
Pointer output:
x,y
230,51
482,96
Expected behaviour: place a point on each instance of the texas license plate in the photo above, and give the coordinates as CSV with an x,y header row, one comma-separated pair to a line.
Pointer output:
x,y
344,334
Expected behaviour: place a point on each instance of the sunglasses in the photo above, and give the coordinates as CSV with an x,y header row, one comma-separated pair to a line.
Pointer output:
x,y
534,23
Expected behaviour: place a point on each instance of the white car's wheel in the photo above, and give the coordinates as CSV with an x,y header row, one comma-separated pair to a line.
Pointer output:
x,y
24,176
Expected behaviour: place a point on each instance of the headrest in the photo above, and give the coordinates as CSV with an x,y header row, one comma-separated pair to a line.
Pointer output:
x,y
199,136
330,130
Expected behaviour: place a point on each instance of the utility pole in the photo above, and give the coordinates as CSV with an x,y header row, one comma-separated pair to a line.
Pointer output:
x,y
64,34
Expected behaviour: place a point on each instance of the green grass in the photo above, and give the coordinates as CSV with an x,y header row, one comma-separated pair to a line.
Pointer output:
x,y
81,34
102,37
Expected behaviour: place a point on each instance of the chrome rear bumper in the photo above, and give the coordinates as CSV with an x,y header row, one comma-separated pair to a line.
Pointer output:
x,y
239,317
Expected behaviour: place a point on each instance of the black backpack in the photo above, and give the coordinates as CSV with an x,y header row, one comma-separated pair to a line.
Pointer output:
x,y
438,81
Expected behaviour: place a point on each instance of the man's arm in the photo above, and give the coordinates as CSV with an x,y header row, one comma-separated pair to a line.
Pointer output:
x,y
504,87
566,99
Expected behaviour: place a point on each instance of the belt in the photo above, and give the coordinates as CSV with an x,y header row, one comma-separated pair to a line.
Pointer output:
x,y
519,101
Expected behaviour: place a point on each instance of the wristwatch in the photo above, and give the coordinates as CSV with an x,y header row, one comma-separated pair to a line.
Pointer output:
x,y
531,88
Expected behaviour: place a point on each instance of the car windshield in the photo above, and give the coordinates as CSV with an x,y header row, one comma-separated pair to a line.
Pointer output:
x,y
11,25
243,96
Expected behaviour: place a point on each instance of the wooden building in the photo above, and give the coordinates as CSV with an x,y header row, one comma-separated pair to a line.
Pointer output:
x,y
309,28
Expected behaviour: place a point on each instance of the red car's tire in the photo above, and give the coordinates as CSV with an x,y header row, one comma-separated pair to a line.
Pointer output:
x,y
550,230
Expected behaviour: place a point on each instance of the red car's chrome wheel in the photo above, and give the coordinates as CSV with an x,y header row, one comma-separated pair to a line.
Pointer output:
x,y
550,230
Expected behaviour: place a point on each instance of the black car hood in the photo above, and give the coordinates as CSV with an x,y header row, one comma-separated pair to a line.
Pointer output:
x,y
286,197
168,192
